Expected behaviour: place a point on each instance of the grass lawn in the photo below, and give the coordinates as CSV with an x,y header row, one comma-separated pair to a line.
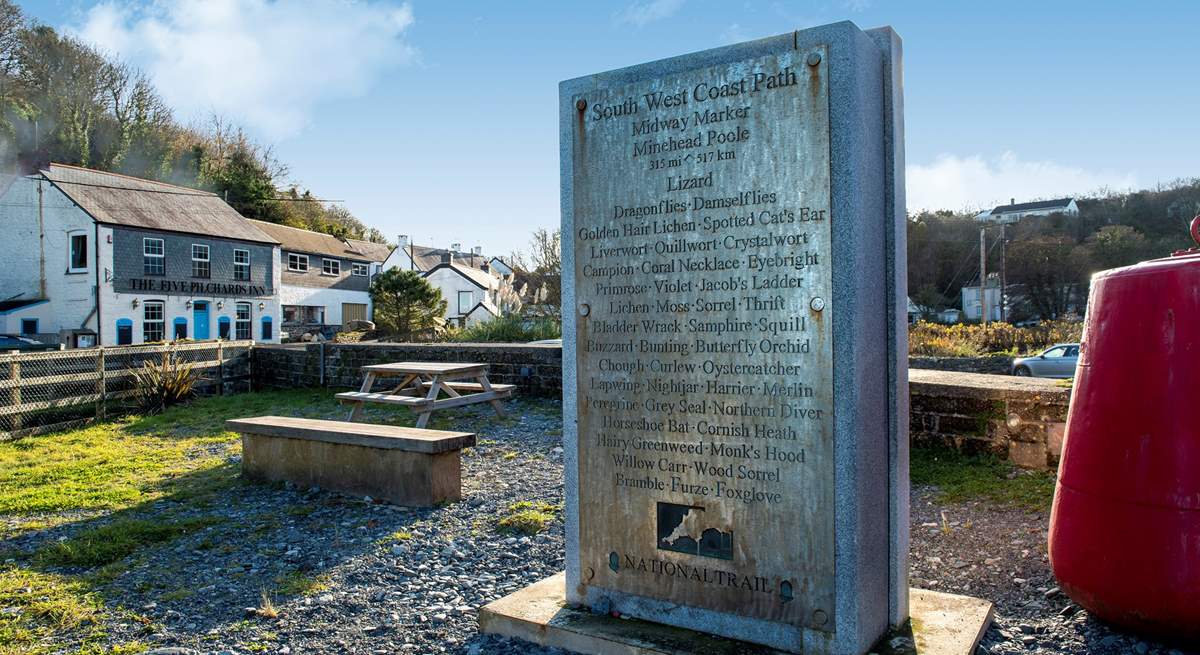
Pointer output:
x,y
108,476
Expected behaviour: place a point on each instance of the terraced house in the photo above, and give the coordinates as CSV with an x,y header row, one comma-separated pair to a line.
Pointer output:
x,y
325,280
97,258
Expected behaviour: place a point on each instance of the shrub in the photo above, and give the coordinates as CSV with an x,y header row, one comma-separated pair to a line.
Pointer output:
x,y
510,329
158,385
974,340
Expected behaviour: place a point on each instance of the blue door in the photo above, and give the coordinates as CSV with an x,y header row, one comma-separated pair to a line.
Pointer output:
x,y
200,320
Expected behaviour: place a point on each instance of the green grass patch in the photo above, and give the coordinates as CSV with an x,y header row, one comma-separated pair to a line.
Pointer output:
x,y
527,517
181,452
961,477
299,583
116,541
47,604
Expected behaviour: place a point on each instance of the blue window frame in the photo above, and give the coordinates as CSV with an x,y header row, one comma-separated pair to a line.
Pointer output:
x,y
180,328
29,326
267,330
223,327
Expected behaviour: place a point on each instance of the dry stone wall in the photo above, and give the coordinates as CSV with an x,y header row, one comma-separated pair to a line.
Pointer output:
x,y
1020,419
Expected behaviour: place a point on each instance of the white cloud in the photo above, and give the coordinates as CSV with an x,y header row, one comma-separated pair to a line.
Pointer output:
x,y
265,63
956,183
644,12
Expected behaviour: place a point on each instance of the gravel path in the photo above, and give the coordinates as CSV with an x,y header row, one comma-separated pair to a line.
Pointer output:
x,y
348,575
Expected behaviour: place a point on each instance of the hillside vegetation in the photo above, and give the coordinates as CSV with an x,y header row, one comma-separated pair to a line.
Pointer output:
x,y
63,101
1049,259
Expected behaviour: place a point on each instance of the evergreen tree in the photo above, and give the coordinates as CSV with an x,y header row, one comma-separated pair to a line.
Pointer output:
x,y
406,306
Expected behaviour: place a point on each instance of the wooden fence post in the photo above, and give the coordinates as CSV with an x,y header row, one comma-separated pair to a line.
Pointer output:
x,y
15,375
220,368
101,384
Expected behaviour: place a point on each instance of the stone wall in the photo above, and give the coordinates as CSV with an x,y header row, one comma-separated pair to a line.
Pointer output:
x,y
998,365
1020,419
535,369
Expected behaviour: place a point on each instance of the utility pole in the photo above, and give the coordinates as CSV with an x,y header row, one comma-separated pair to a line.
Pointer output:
x,y
1003,275
983,306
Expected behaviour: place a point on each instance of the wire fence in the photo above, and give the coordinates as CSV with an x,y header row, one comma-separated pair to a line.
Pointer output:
x,y
48,391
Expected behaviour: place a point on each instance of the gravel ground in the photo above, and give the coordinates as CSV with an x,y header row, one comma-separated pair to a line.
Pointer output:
x,y
999,553
349,575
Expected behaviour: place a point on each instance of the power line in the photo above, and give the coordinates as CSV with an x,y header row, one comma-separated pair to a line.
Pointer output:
x,y
182,191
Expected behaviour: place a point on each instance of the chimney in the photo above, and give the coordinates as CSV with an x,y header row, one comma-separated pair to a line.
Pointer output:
x,y
477,250
455,247
447,257
402,240
1012,201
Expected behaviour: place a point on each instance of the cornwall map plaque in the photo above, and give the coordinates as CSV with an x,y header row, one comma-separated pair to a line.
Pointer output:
x,y
730,387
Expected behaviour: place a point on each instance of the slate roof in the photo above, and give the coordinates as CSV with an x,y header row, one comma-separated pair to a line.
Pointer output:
x,y
1061,203
426,258
115,199
295,239
479,278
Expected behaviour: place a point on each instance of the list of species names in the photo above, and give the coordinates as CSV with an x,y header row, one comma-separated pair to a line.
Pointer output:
x,y
702,276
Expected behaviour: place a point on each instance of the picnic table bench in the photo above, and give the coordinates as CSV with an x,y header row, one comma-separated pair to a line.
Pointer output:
x,y
422,384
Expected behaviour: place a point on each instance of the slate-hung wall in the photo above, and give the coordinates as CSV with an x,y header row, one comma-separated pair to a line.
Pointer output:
x,y
315,276
128,261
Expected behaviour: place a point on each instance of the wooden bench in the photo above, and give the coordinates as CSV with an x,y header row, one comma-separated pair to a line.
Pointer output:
x,y
421,384
406,466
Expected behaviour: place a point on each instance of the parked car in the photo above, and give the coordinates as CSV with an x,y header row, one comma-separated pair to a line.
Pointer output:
x,y
1057,361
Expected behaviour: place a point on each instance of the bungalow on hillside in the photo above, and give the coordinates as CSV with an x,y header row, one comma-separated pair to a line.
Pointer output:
x,y
1013,212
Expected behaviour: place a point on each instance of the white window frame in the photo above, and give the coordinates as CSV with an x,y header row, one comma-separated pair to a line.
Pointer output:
x,y
240,323
470,305
160,322
336,266
301,263
148,255
241,270
360,270
71,267
204,260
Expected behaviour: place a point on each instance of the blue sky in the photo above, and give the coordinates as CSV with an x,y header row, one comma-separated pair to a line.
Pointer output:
x,y
437,119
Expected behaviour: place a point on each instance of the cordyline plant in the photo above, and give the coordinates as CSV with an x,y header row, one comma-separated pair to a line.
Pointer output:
x,y
160,384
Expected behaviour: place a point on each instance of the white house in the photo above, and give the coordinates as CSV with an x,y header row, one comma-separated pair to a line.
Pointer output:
x,y
325,280
1013,212
973,306
100,258
470,282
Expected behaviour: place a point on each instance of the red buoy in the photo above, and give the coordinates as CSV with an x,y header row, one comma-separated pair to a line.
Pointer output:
x,y
1125,526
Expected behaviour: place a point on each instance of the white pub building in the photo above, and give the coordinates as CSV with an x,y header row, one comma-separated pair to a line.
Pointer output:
x,y
92,258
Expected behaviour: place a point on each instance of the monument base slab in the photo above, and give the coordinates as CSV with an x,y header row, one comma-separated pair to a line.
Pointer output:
x,y
942,624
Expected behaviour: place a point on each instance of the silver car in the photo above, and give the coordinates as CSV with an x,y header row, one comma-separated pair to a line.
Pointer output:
x,y
1057,361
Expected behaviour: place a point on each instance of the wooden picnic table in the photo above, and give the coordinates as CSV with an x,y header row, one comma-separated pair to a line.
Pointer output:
x,y
421,384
